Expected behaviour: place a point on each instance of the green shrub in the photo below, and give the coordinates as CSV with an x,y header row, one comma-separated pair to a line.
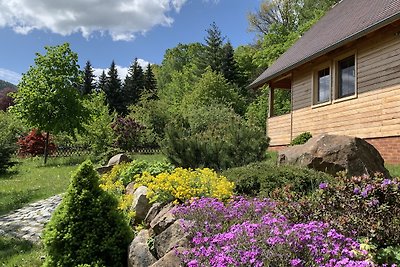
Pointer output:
x,y
138,167
213,137
368,206
263,179
87,228
10,130
301,139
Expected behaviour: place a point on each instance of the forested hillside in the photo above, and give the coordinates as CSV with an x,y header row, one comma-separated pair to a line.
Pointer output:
x,y
4,84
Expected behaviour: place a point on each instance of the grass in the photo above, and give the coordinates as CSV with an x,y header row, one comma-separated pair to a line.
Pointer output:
x,y
148,157
21,253
393,169
30,180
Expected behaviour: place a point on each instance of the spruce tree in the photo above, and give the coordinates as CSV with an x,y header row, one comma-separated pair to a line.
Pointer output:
x,y
150,83
89,84
101,84
214,52
134,83
229,67
113,91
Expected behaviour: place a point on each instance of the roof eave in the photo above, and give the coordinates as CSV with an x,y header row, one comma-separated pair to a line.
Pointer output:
x,y
338,44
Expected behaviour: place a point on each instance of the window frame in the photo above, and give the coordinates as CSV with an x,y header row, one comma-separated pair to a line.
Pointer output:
x,y
315,84
336,82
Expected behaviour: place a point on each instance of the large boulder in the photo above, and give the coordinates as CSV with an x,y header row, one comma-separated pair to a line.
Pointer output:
x,y
334,153
163,219
139,252
172,237
170,259
140,203
115,160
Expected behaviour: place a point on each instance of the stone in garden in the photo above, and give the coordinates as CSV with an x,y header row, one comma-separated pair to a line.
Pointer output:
x,y
334,153
153,211
163,219
170,259
140,203
117,159
139,252
174,236
130,188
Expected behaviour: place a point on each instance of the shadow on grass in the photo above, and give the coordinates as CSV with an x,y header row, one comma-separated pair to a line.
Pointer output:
x,y
19,252
15,200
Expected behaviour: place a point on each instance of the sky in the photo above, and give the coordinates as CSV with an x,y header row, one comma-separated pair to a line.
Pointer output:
x,y
119,30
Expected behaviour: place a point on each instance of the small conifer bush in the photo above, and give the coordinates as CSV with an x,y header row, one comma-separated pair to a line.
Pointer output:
x,y
87,227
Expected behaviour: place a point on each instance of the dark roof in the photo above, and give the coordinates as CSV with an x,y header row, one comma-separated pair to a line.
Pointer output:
x,y
345,22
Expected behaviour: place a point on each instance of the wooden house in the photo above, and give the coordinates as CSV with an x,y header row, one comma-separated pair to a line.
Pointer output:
x,y
344,77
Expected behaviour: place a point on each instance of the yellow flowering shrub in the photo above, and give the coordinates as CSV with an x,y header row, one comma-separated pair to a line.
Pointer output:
x,y
183,184
111,183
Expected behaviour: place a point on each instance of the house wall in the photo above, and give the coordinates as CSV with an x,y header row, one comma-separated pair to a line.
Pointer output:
x,y
373,113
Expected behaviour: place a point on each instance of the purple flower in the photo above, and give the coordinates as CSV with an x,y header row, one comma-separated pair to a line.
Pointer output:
x,y
323,186
356,190
295,263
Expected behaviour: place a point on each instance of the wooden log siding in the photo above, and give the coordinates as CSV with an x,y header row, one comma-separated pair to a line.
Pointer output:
x,y
374,113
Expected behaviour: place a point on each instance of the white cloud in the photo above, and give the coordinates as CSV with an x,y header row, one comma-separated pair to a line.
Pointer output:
x,y
121,19
10,76
122,71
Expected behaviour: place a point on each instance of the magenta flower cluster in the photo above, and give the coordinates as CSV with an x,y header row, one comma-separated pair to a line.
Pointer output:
x,y
250,233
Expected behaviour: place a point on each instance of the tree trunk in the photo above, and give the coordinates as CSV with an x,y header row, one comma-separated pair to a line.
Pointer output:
x,y
46,148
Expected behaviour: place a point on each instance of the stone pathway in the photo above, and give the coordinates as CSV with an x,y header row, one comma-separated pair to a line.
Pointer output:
x,y
28,222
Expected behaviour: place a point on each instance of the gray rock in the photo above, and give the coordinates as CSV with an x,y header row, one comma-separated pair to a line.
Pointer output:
x,y
163,219
334,153
130,188
154,210
117,159
140,203
173,237
139,252
170,259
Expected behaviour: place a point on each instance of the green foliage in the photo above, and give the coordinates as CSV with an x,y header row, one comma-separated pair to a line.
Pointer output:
x,y
150,83
89,85
138,167
257,111
301,139
87,228
212,89
215,137
11,128
19,252
47,96
153,115
98,135
368,206
113,90
134,84
264,179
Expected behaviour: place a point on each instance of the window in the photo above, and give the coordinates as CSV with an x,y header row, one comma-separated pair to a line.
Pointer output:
x,y
324,85
346,77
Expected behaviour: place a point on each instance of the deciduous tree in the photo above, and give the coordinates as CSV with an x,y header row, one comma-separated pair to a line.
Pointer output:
x,y
47,97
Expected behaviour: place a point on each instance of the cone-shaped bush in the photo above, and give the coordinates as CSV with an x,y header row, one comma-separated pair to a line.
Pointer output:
x,y
87,227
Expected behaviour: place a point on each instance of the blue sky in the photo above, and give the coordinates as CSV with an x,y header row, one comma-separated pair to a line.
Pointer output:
x,y
120,30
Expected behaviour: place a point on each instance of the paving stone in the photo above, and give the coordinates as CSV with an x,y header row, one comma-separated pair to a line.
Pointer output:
x,y
28,222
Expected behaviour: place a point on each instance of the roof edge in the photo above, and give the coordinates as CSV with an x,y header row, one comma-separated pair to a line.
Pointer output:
x,y
338,44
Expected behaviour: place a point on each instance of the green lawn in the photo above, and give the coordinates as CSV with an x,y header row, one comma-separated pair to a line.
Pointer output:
x,y
21,253
31,180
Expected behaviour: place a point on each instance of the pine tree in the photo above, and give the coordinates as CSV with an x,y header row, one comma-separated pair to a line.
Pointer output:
x,y
214,52
229,67
113,91
150,83
101,84
134,83
89,84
